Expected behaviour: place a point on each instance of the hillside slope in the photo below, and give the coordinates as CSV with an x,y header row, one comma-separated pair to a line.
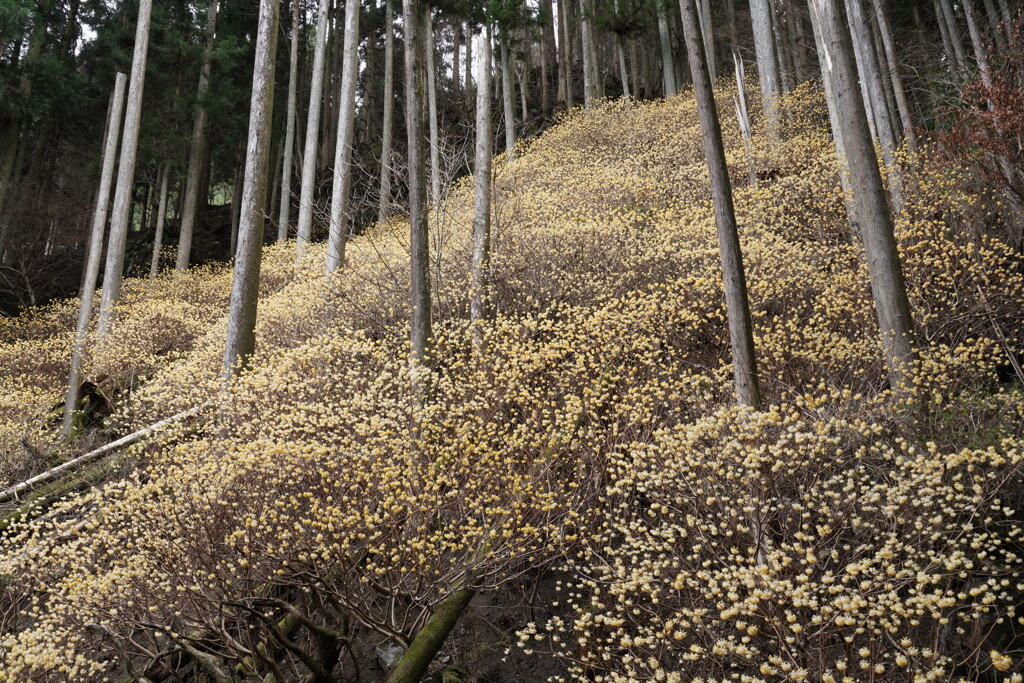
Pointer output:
x,y
845,529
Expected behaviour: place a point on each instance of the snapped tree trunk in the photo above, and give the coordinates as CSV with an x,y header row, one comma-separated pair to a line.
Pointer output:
x,y
741,330
241,341
480,267
389,110
310,148
342,186
284,215
870,209
121,212
92,261
414,21
197,149
161,216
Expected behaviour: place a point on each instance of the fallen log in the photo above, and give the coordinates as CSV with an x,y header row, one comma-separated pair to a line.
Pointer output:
x,y
14,491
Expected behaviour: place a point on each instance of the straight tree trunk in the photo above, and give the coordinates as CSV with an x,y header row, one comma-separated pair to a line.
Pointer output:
x,y
831,98
467,90
121,213
481,258
389,110
767,63
949,15
590,71
998,37
284,214
241,340
707,35
902,104
341,189
741,329
236,207
456,55
413,12
161,216
564,68
977,42
197,149
435,141
92,261
874,87
310,148
507,92
947,42
871,211
549,53
668,62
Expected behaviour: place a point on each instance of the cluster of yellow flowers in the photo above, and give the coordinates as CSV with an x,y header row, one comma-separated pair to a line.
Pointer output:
x,y
846,532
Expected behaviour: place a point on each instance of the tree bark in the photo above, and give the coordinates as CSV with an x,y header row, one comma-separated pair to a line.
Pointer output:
x,y
419,240
564,65
389,110
92,261
342,187
998,37
197,149
949,16
310,149
874,89
467,90
741,330
767,64
978,43
284,214
507,88
481,258
902,104
121,213
668,62
871,211
591,81
241,340
161,216
435,141
416,660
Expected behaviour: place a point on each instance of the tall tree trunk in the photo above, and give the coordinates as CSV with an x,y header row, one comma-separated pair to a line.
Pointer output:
x,y
419,239
92,261
902,104
767,64
389,110
871,77
435,141
591,81
871,211
309,153
668,61
121,213
949,16
947,42
481,258
284,214
241,340
549,53
564,64
507,92
706,33
741,329
236,209
341,189
467,90
161,216
197,150
978,43
831,98
456,55
998,37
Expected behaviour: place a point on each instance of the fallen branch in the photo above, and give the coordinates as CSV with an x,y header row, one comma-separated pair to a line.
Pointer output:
x,y
428,641
18,489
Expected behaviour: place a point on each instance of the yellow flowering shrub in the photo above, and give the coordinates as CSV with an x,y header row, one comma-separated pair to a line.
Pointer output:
x,y
847,531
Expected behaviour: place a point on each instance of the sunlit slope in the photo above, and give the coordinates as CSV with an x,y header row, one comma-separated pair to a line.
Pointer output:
x,y
595,435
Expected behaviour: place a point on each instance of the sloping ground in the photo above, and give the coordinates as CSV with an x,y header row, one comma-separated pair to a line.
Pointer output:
x,y
845,531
